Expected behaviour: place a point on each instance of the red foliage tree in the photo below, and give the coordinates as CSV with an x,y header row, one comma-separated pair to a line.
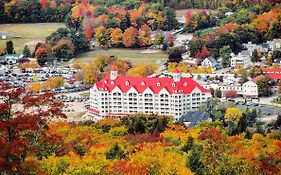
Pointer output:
x,y
170,39
204,53
23,117
130,37
230,94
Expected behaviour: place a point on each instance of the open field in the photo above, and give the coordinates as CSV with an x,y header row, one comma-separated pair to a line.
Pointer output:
x,y
135,56
30,34
181,13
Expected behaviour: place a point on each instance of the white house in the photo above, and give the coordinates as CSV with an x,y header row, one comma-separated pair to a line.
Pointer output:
x,y
243,59
210,62
118,96
250,89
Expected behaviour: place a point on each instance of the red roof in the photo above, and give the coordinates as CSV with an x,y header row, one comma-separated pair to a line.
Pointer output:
x,y
273,73
275,70
184,86
257,78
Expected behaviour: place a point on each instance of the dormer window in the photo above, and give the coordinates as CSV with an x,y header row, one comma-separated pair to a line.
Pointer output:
x,y
173,84
127,83
158,84
143,83
112,82
185,84
105,81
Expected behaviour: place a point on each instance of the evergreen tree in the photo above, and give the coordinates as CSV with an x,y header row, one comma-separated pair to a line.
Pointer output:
x,y
255,56
115,152
188,145
263,86
9,47
26,52
248,134
225,55
194,160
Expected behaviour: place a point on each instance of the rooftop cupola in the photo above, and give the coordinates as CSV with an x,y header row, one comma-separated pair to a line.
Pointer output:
x,y
177,75
113,73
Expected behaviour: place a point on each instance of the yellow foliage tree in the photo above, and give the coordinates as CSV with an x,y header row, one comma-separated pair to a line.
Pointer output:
x,y
35,87
29,65
142,70
233,115
54,82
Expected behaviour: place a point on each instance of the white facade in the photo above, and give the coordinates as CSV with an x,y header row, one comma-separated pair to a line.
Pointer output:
x,y
225,87
242,59
210,62
250,89
106,102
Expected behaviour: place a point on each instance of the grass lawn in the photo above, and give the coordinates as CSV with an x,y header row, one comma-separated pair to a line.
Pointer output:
x,y
29,34
182,12
135,56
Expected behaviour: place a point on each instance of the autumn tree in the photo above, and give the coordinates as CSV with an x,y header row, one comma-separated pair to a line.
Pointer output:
x,y
144,36
63,50
21,128
233,115
130,37
230,94
54,82
102,37
29,65
142,70
159,38
116,37
170,39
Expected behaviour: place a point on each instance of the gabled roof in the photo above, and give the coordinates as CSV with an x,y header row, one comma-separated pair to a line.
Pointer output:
x,y
257,78
125,83
212,60
194,117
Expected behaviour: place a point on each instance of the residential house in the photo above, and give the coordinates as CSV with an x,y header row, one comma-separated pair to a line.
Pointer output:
x,y
210,62
242,59
250,89
192,118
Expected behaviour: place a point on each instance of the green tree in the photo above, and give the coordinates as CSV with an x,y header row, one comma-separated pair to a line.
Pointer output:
x,y
194,161
2,12
26,52
175,54
9,47
218,93
255,57
225,55
188,145
115,152
263,86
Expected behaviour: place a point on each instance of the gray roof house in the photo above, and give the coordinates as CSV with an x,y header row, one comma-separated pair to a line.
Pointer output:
x,y
192,118
210,62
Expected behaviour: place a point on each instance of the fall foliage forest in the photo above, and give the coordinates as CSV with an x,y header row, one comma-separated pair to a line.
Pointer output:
x,y
33,143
